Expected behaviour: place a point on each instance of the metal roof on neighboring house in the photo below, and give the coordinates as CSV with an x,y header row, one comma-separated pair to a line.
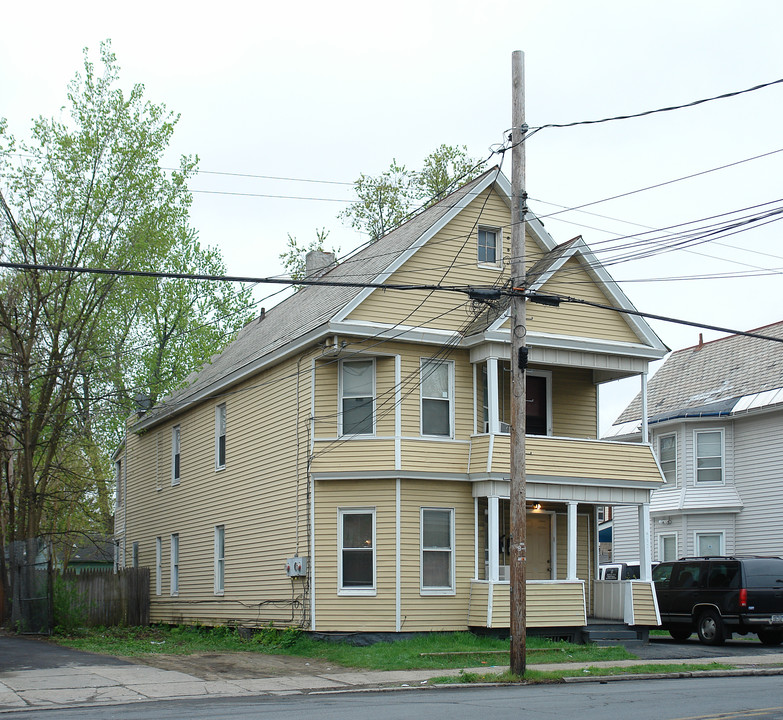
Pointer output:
x,y
717,378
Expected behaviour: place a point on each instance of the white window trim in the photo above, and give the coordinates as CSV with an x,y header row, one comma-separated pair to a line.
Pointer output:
x,y
431,590
719,533
450,366
158,565
174,563
709,483
218,410
340,395
352,591
661,537
658,440
547,375
220,572
498,264
176,450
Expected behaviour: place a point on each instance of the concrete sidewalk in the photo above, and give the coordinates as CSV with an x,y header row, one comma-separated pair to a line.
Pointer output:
x,y
102,684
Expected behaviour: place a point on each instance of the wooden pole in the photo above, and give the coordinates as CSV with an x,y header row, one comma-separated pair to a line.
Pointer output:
x,y
518,363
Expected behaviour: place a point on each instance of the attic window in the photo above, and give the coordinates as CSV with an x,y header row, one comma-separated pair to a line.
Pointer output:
x,y
489,246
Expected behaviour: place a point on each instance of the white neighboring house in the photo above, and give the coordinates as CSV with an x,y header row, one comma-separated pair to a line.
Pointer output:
x,y
715,421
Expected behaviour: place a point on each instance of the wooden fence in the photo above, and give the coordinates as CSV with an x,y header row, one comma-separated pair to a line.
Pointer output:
x,y
105,597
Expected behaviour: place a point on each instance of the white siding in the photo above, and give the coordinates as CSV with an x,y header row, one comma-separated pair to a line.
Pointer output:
x,y
758,461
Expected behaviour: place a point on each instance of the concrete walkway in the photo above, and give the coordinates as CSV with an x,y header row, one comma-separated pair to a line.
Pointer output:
x,y
112,684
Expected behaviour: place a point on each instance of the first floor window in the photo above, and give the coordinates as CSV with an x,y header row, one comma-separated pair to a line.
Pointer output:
x,y
436,394
158,565
220,436
220,558
667,547
357,387
357,550
709,543
118,482
709,456
174,564
667,457
175,440
437,549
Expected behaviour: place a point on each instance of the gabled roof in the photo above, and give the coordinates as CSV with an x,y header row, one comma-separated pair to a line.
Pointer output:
x,y
293,322
718,378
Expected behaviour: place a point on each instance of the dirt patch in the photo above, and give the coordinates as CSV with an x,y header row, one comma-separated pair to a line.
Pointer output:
x,y
237,666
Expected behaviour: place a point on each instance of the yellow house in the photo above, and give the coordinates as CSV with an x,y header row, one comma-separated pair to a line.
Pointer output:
x,y
343,465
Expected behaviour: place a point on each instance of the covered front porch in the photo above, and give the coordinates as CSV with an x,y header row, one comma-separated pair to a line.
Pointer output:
x,y
563,588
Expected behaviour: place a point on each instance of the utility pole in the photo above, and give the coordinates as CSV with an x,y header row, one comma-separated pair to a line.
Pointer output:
x,y
518,568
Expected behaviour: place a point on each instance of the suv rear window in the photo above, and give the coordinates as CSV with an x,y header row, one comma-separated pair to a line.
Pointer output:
x,y
764,573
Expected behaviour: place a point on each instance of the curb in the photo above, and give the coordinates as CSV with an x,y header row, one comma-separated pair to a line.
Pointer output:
x,y
738,672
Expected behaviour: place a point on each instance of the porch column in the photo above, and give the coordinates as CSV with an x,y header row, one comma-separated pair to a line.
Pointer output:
x,y
645,572
645,426
492,395
571,553
493,537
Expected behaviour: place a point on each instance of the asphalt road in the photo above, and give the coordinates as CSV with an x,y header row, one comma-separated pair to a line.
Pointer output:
x,y
760,698
661,647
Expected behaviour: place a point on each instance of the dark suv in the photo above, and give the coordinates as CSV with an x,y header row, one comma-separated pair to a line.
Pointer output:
x,y
717,596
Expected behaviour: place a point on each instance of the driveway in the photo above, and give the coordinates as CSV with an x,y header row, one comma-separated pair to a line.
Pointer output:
x,y
29,653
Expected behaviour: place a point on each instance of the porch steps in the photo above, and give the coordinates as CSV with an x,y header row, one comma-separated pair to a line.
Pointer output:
x,y
605,634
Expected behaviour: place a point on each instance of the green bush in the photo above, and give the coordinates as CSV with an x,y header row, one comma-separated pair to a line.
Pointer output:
x,y
70,609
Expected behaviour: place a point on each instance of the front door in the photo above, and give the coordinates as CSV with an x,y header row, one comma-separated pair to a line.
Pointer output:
x,y
539,546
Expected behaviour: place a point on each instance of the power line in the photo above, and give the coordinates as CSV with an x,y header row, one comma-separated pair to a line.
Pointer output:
x,y
660,110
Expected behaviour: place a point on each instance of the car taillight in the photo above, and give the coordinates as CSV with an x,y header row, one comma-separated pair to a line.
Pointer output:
x,y
743,598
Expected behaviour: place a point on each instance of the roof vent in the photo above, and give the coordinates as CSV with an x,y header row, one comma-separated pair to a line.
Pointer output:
x,y
261,314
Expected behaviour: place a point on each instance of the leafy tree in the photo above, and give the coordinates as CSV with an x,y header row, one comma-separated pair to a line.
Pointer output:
x,y
294,258
75,348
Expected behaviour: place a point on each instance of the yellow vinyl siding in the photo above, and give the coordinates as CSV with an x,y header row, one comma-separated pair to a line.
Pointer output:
x,y
335,612
450,258
643,594
422,612
254,497
588,459
479,604
361,454
578,320
548,604
574,403
435,455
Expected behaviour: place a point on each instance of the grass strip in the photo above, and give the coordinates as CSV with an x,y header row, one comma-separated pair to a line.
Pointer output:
x,y
554,676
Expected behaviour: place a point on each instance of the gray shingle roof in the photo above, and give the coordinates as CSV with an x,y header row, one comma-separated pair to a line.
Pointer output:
x,y
709,378
305,311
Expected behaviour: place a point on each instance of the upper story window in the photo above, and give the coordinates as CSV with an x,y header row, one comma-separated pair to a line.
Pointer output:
x,y
436,397
709,456
667,457
357,551
220,436
538,409
175,454
437,550
490,248
357,397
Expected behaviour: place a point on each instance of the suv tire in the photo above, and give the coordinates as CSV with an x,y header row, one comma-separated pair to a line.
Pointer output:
x,y
770,637
710,628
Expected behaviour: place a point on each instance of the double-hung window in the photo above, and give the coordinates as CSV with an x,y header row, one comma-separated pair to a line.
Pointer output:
x,y
436,397
489,246
709,456
174,586
357,391
667,457
175,454
437,551
357,551
118,483
220,559
220,436
158,565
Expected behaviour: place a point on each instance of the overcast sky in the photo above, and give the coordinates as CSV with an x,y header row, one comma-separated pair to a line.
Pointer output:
x,y
323,91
